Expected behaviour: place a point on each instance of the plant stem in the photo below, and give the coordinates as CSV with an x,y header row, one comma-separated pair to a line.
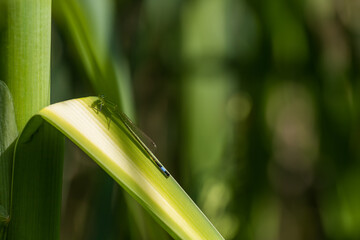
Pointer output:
x,y
37,168
27,56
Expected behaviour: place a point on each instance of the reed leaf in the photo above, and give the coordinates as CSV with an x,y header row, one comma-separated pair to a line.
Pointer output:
x,y
112,147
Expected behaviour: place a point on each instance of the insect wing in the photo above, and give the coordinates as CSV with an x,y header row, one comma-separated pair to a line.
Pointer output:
x,y
103,103
138,132
109,109
110,104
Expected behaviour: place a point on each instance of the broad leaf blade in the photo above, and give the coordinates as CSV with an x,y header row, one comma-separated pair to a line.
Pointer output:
x,y
122,158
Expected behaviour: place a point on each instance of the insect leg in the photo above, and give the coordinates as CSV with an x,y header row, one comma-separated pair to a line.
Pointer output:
x,y
109,121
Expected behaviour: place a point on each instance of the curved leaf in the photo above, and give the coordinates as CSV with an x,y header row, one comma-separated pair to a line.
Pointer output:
x,y
125,160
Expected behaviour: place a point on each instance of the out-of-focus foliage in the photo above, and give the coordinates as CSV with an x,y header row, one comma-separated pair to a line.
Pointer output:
x,y
254,106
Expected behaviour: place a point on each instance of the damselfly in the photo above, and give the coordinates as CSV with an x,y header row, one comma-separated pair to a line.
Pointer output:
x,y
111,112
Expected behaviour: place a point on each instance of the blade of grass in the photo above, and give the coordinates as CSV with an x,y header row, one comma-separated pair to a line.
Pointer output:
x,y
95,57
107,71
125,161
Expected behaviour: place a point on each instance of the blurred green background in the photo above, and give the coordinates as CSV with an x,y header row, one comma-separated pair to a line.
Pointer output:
x,y
253,104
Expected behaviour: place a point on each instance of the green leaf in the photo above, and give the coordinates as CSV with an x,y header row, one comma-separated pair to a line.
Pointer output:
x,y
95,57
36,182
4,216
122,157
8,136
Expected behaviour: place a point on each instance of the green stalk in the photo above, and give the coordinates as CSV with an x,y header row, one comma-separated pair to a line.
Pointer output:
x,y
35,202
27,64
